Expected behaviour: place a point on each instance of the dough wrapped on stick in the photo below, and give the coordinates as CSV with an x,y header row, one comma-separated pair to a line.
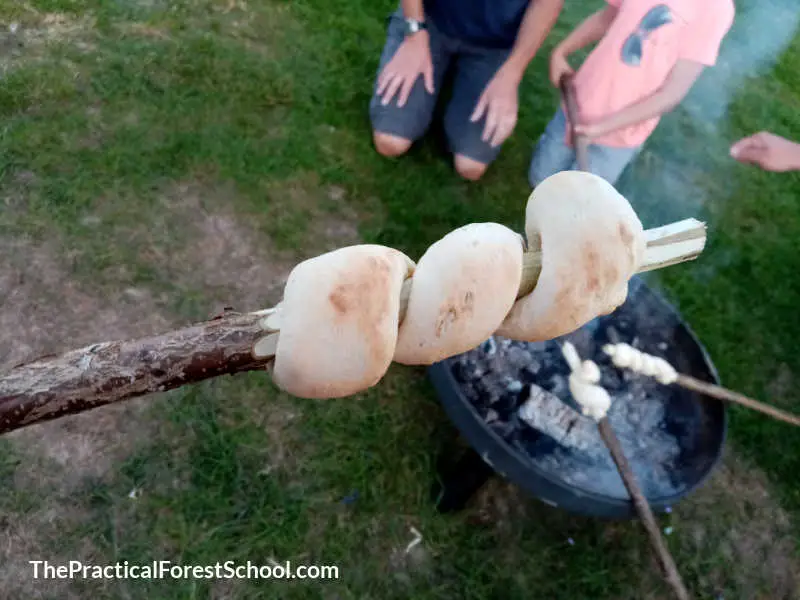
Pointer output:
x,y
463,287
591,244
338,321
316,350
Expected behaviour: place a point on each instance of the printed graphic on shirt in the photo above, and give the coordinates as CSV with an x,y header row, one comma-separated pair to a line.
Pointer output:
x,y
633,48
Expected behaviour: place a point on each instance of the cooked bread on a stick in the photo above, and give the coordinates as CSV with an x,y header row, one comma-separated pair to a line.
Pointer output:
x,y
336,330
316,350
463,287
338,321
591,243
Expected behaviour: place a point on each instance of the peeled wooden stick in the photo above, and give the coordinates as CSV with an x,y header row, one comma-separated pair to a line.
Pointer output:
x,y
107,372
668,245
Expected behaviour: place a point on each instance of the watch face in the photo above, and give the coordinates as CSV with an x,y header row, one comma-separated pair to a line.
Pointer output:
x,y
412,26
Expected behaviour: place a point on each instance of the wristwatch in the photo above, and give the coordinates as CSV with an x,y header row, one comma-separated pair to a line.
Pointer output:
x,y
413,26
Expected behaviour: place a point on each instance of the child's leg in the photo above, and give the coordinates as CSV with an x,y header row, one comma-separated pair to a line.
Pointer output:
x,y
609,162
552,155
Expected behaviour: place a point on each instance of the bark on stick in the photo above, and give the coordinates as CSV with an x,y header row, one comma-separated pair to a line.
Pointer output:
x,y
106,372
99,374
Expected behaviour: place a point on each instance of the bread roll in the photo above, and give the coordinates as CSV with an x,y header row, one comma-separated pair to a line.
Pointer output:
x,y
338,321
592,242
463,287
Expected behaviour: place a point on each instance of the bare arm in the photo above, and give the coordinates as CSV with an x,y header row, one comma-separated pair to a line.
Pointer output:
x,y
663,100
412,9
499,100
589,31
539,18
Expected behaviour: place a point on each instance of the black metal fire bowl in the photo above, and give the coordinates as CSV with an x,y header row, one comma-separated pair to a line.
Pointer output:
x,y
672,437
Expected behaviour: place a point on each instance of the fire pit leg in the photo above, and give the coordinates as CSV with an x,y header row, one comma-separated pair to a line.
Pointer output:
x,y
457,484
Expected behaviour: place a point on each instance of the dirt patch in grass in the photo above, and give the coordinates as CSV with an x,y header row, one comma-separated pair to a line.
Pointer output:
x,y
254,25
220,254
204,239
13,198
224,589
43,310
56,27
309,217
193,238
35,535
731,539
27,40
498,505
280,424
736,528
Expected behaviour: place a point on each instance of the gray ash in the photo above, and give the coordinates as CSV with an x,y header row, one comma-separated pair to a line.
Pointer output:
x,y
650,420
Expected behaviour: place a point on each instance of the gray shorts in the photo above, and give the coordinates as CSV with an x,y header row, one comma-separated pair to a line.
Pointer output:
x,y
473,69
552,155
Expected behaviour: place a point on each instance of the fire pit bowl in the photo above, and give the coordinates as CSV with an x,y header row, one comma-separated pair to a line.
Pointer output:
x,y
672,437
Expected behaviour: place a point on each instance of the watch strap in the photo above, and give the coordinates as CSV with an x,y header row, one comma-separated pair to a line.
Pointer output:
x,y
413,26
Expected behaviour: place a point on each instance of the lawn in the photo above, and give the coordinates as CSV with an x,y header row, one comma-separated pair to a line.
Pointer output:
x,y
161,159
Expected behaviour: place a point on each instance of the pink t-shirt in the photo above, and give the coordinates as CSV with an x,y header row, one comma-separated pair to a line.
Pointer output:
x,y
642,45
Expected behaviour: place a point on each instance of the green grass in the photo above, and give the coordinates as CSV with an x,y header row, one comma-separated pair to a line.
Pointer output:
x,y
270,100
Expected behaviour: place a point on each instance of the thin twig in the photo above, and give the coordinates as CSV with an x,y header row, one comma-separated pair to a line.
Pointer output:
x,y
624,356
643,509
721,393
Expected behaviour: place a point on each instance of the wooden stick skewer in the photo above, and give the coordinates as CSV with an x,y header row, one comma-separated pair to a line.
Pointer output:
x,y
665,559
719,392
625,356
655,243
103,373
107,372
580,142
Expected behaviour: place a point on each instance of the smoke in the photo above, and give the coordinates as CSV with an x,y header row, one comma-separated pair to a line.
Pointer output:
x,y
685,167
762,31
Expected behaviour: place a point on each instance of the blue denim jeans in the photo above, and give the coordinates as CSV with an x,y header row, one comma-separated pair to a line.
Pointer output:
x,y
552,155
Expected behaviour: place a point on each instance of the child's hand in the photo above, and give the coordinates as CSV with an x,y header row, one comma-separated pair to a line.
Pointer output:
x,y
589,130
558,67
768,151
